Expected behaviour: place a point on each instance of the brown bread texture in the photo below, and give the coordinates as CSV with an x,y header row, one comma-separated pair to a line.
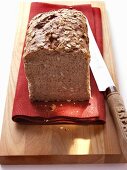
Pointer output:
x,y
56,56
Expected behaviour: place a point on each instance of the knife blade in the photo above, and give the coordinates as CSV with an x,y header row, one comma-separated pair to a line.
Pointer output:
x,y
105,84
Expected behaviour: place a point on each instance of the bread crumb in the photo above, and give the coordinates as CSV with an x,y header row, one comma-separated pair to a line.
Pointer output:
x,y
68,100
53,107
66,129
61,127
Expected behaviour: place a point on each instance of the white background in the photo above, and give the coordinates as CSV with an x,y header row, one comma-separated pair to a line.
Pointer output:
x,y
117,13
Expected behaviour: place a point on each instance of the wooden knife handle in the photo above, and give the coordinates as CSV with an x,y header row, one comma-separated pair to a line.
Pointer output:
x,y
119,114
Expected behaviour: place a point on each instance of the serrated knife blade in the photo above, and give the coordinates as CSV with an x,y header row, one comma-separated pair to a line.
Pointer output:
x,y
105,83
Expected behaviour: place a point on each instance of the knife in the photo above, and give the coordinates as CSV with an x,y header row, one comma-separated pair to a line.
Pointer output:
x,y
105,84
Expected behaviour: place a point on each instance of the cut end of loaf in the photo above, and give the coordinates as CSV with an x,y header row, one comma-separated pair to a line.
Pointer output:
x,y
58,77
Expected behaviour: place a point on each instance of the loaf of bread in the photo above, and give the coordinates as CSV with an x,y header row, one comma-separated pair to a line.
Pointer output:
x,y
56,56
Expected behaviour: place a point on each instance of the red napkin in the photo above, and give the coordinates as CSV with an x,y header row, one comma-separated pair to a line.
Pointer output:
x,y
92,111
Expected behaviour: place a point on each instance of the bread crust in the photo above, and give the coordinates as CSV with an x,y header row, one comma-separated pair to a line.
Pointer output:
x,y
64,30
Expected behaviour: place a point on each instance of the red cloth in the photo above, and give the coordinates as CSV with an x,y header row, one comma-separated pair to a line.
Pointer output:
x,y
92,111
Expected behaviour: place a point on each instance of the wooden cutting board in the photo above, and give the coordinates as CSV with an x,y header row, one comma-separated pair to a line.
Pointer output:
x,y
56,144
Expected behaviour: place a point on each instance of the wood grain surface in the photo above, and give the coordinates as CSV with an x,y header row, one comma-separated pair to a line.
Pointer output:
x,y
56,144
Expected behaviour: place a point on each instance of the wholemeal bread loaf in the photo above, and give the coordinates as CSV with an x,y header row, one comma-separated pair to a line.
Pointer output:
x,y
56,56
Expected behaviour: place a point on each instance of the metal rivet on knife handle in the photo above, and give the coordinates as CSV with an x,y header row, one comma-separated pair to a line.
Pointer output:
x,y
119,115
110,90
